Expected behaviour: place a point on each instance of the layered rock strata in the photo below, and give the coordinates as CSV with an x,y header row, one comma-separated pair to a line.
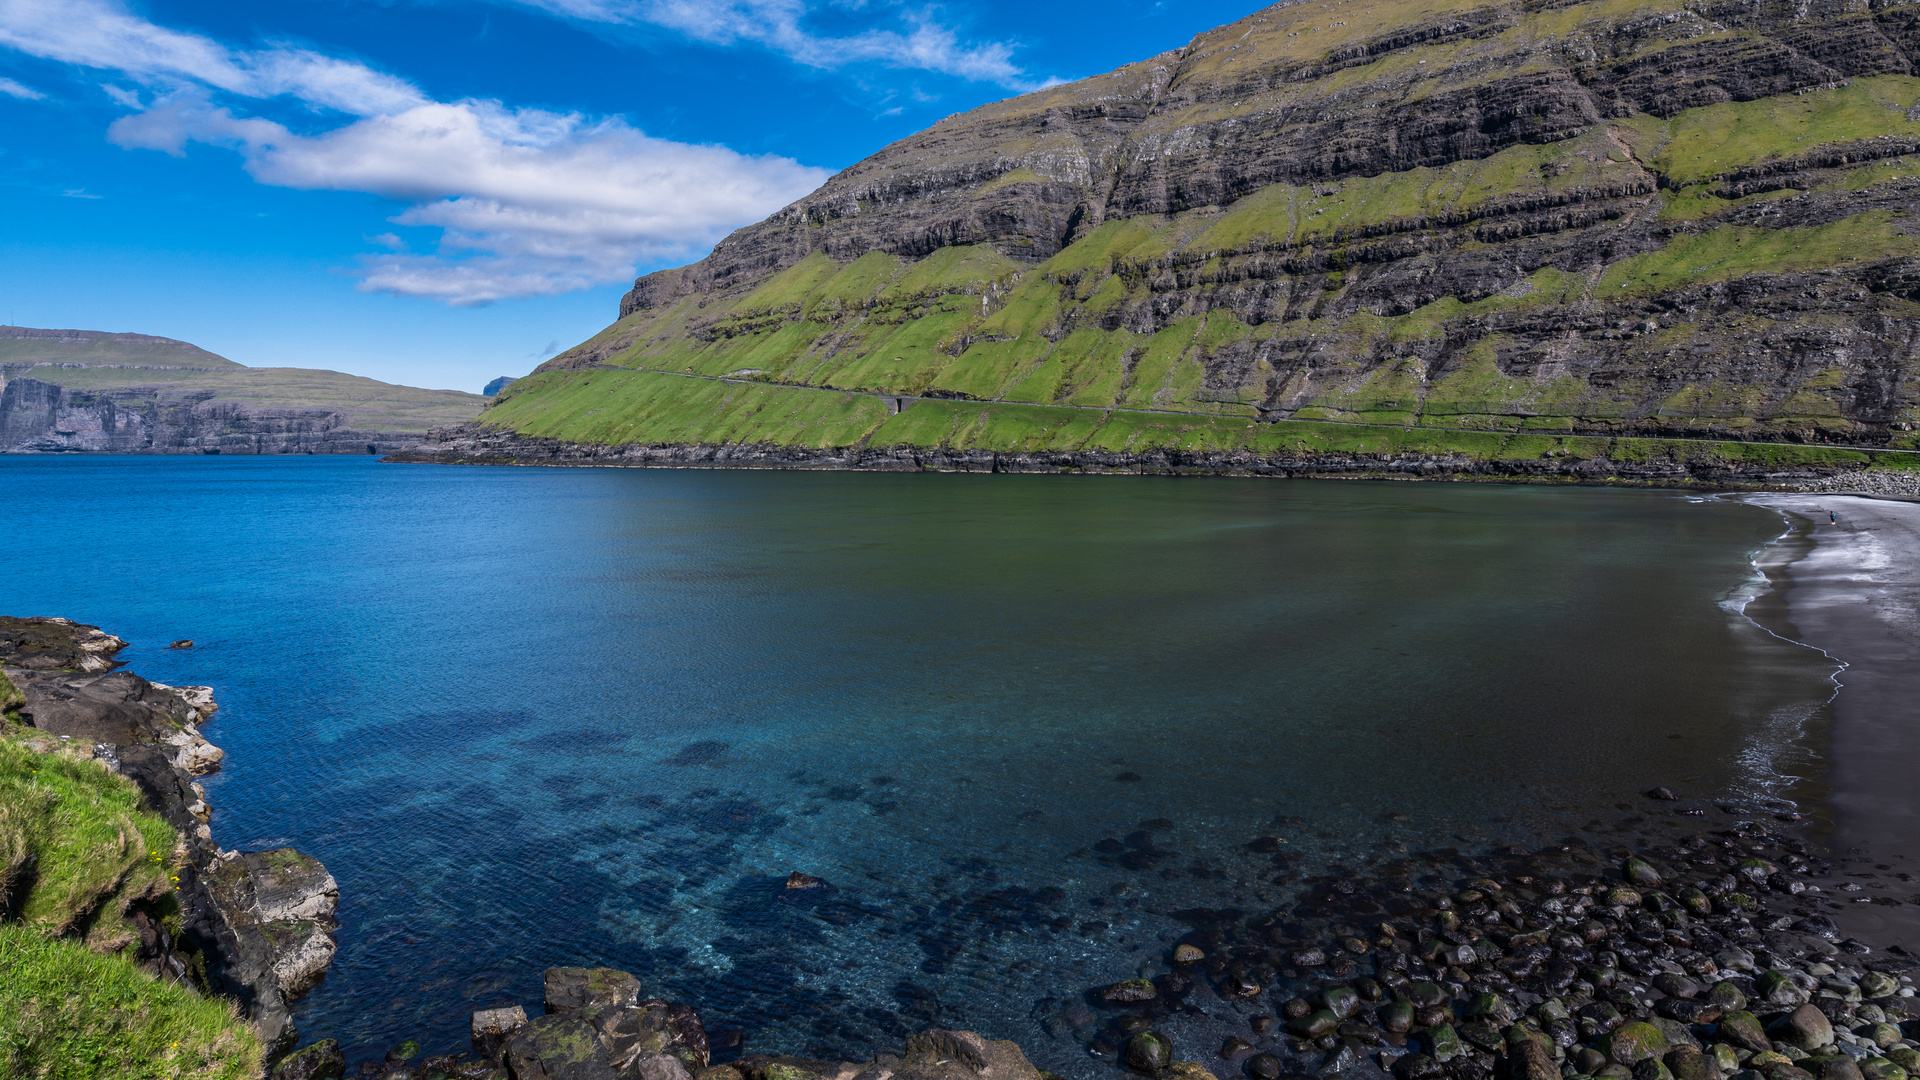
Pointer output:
x,y
41,417
1665,219
254,927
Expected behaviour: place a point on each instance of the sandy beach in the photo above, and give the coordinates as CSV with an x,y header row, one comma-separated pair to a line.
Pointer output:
x,y
1856,594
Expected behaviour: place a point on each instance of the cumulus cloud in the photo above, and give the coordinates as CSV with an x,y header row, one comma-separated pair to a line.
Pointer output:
x,y
528,202
777,24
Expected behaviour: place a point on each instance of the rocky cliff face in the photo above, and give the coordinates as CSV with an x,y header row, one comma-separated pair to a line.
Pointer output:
x,y
40,417
253,927
68,391
1668,219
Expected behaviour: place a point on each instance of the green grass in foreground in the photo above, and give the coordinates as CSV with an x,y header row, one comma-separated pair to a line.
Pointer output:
x,y
76,852
76,849
68,1013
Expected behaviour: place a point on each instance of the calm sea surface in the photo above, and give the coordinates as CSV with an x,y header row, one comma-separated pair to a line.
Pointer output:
x,y
541,716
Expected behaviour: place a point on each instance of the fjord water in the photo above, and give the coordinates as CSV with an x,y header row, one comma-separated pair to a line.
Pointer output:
x,y
541,716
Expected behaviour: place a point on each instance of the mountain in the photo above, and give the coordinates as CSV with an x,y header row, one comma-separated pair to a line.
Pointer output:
x,y
1615,237
84,390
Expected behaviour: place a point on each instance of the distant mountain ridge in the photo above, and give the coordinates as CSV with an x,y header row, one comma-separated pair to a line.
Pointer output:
x,y
32,346
1542,232
68,391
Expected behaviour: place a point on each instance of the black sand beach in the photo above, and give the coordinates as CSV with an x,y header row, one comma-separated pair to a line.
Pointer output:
x,y
1855,593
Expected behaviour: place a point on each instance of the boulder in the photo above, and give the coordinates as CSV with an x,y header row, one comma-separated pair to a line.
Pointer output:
x,y
649,1041
1632,1043
1687,1063
493,1027
1149,1052
1640,873
1129,991
569,988
1807,1028
1833,1067
1531,1059
1742,1029
320,1061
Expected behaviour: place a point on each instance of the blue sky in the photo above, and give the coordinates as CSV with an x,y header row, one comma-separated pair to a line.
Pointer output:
x,y
436,192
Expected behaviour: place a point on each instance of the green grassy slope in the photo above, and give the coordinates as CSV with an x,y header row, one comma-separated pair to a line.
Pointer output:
x,y
369,405
1733,259
23,345
76,854
175,369
644,407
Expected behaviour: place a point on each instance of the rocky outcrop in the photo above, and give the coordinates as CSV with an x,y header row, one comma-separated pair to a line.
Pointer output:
x,y
253,927
40,417
599,1025
475,445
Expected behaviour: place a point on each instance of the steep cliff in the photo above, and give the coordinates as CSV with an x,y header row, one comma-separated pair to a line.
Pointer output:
x,y
1655,219
82,390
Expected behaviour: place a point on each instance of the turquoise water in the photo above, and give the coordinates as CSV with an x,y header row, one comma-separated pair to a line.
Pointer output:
x,y
540,716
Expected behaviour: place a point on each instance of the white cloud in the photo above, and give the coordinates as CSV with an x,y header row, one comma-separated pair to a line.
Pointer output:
x,y
529,202
19,90
777,24
104,34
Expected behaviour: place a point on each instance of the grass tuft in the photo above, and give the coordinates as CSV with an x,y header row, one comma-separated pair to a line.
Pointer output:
x,y
68,1013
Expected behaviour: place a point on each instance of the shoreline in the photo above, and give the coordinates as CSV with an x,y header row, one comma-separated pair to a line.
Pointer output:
x,y
1853,593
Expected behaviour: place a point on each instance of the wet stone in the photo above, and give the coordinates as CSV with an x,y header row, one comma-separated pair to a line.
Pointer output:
x,y
1130,991
1834,1067
1882,1069
1807,1028
1315,1024
1651,1069
1484,1036
1442,1042
1633,1043
1397,1017
1727,996
1875,985
1149,1052
1686,1063
1263,1067
1743,1030
1236,1049
1415,1067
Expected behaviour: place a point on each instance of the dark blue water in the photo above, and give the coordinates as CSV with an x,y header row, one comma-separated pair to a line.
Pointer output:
x,y
533,717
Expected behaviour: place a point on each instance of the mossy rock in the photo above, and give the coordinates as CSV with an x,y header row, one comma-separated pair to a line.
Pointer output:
x,y
1149,1052
1443,1043
1880,1068
1742,1029
1631,1044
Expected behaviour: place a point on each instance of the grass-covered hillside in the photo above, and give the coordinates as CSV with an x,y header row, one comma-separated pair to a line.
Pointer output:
x,y
67,390
1616,220
81,865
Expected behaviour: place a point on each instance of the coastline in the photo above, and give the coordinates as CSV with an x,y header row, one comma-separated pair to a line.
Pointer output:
x,y
1854,593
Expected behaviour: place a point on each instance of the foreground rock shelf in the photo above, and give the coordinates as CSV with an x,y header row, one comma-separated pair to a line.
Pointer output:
x,y
255,927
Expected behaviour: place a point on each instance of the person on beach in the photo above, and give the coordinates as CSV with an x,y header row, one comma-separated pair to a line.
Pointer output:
x,y
1833,516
